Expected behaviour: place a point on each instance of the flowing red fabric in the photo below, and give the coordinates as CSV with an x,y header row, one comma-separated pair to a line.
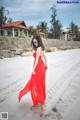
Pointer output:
x,y
36,84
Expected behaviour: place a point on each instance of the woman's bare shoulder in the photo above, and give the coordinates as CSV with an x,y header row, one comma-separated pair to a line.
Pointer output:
x,y
39,48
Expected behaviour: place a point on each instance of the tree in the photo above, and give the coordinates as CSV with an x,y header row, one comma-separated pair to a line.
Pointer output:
x,y
77,37
74,28
9,20
42,26
32,30
3,17
56,27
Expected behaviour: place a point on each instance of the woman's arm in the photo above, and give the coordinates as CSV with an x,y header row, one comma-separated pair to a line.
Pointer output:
x,y
37,58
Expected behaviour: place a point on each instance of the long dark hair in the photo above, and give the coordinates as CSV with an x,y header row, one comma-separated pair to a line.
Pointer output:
x,y
40,43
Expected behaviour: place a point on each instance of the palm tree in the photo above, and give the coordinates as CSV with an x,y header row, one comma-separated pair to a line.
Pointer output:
x,y
32,30
74,28
42,26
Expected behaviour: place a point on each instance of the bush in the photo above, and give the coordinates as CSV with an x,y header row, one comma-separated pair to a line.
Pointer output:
x,y
77,37
22,36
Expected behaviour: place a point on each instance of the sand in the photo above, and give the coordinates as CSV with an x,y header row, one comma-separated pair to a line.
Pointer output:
x,y
62,87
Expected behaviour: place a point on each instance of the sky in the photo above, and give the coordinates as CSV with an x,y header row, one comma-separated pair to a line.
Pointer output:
x,y
35,11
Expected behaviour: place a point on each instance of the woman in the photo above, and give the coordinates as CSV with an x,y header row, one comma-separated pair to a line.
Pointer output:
x,y
36,84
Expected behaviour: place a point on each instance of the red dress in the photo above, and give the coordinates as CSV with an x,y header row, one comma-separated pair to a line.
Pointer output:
x,y
36,84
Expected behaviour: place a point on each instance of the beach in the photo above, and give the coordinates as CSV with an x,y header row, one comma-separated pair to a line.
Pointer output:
x,y
62,87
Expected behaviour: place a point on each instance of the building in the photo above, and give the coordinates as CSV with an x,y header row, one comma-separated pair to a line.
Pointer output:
x,y
17,28
67,35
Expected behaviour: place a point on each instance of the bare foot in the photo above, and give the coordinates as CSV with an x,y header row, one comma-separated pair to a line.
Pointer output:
x,y
32,107
43,108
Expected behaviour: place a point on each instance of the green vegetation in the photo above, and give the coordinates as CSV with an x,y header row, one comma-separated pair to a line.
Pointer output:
x,y
53,32
56,27
3,17
77,37
75,30
43,27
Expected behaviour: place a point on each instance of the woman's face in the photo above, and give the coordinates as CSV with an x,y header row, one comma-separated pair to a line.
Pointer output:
x,y
35,42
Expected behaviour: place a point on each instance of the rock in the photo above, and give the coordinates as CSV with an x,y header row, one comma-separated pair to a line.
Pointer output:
x,y
26,54
6,53
51,49
17,52
16,46
65,47
55,49
1,57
